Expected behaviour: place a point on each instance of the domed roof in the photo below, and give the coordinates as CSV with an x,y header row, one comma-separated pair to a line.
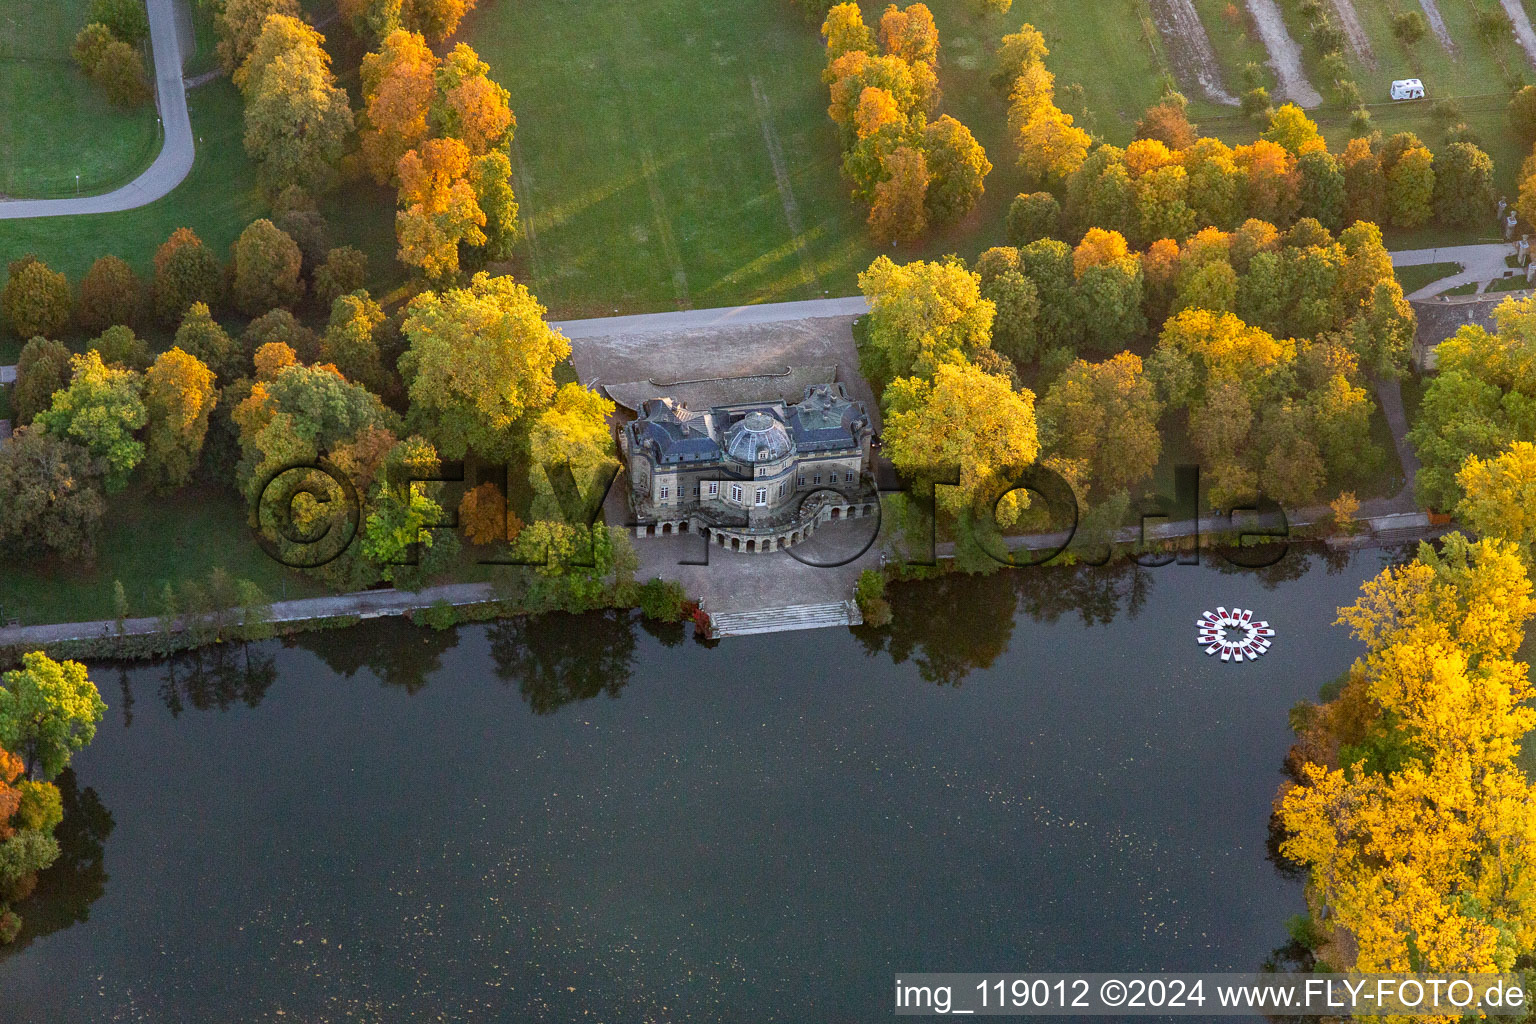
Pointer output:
x,y
757,437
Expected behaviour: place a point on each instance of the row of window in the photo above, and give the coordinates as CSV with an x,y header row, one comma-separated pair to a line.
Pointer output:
x,y
713,487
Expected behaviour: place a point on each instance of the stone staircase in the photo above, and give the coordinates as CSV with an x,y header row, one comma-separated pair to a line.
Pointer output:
x,y
780,620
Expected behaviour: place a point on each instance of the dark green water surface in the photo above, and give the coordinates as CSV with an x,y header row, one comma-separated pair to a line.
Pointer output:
x,y
573,818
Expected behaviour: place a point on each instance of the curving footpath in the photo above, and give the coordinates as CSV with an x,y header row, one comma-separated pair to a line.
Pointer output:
x,y
1479,264
173,164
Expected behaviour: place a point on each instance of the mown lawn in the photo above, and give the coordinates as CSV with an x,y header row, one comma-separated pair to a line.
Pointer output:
x,y
1414,278
55,124
148,540
669,155
218,199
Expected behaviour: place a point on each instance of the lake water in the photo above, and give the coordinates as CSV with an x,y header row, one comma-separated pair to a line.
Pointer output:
x,y
567,819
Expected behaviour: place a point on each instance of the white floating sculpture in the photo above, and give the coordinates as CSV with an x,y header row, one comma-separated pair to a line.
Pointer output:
x,y
1249,637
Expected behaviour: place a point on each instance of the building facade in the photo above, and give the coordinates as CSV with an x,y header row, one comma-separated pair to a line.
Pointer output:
x,y
757,476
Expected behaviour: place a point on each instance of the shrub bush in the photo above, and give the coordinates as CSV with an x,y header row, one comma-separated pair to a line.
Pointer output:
x,y
662,600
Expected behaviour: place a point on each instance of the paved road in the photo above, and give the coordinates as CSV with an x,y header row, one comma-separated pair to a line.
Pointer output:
x,y
173,164
1479,263
1486,260
695,319
368,604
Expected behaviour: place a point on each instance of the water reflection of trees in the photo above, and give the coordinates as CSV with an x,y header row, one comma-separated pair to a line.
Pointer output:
x,y
66,890
398,654
954,624
216,677
1297,559
557,663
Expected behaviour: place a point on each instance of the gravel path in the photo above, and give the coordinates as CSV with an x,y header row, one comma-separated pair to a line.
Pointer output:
x,y
1437,24
173,164
1355,32
1523,30
1189,48
1284,54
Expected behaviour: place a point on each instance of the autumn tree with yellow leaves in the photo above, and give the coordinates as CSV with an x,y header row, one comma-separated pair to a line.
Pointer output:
x,y
966,423
481,360
179,395
1407,805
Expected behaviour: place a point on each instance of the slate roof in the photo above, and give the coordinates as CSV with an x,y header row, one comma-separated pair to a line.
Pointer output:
x,y
1439,320
824,419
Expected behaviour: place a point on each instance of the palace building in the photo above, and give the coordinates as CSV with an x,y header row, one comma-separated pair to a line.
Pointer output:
x,y
753,476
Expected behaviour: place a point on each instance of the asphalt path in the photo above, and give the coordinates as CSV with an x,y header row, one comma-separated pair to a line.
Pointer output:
x,y
173,164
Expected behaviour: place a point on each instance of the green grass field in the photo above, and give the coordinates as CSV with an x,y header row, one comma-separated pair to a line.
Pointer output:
x,y
217,201
148,540
674,157
56,124
1414,278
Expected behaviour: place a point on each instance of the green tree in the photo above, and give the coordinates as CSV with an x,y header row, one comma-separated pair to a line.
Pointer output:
x,y
50,489
306,411
1100,193
480,359
297,120
127,19
1212,286
1522,114
349,341
36,299
491,178
42,369
344,271
1382,334
1032,216
201,336
49,711
266,265
178,397
1478,402
1048,265
1114,293
89,44
110,293
296,215
957,167
101,411
186,272
1323,194
1018,310
1409,27
119,70
282,327
1463,192
119,346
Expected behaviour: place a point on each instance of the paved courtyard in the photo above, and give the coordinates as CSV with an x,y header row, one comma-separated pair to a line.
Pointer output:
x,y
667,351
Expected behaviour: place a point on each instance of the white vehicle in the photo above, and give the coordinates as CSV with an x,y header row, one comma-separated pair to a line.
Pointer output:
x,y
1407,89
